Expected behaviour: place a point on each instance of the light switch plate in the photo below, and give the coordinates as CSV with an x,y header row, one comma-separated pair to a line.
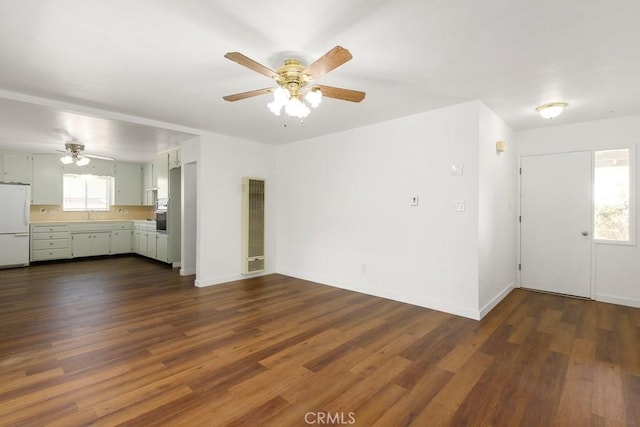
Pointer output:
x,y
414,200
458,205
457,169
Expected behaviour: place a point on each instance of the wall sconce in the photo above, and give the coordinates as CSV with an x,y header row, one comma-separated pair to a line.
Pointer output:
x,y
500,146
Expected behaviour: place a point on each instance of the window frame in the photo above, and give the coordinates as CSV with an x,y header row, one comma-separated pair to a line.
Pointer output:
x,y
110,193
632,198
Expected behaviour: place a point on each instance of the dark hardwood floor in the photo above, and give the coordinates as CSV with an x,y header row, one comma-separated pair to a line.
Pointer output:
x,y
125,340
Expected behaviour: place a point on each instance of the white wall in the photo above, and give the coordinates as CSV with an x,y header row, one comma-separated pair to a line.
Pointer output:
x,y
222,163
345,218
497,210
617,270
190,152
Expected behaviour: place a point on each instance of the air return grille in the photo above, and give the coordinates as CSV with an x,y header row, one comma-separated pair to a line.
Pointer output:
x,y
252,225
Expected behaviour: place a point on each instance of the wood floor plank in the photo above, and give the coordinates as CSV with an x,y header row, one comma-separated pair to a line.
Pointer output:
x,y
125,340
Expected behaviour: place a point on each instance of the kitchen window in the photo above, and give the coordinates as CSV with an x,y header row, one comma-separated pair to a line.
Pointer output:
x,y
87,192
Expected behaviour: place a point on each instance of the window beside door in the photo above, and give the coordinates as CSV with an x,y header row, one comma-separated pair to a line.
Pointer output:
x,y
611,195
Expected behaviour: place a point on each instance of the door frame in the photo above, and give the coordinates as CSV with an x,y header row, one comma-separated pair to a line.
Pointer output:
x,y
592,260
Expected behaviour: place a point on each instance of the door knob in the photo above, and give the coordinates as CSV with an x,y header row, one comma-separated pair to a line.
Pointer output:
x,y
585,233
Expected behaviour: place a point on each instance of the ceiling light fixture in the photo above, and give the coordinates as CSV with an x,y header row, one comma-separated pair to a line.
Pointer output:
x,y
551,110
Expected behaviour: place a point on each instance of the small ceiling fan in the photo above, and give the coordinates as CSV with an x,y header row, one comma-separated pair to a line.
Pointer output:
x,y
73,154
295,82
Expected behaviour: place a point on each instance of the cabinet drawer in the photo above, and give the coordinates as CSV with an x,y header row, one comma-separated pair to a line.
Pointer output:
x,y
50,244
49,236
48,228
43,255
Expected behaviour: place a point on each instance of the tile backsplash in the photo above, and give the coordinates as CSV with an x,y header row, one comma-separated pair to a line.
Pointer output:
x,y
41,213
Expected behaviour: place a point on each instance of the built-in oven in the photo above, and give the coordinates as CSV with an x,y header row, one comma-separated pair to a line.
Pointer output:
x,y
162,208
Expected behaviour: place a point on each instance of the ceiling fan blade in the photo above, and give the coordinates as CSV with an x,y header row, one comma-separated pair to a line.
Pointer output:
x,y
251,64
93,156
245,95
327,62
340,93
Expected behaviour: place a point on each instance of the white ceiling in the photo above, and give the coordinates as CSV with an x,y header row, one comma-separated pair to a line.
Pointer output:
x,y
163,60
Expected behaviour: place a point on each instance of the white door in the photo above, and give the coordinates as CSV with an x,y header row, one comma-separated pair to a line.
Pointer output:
x,y
555,229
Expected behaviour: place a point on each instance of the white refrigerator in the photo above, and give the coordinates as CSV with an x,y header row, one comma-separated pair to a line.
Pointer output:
x,y
14,225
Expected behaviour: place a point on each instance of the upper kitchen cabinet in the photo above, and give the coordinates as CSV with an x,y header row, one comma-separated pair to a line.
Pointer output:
x,y
46,182
149,185
175,160
161,167
15,167
128,181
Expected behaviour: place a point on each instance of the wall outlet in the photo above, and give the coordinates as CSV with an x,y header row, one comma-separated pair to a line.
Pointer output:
x,y
457,169
458,205
414,201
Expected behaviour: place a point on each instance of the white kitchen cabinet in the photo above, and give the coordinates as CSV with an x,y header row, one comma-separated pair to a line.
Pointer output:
x,y
175,160
49,242
128,182
147,243
121,238
46,180
143,242
90,244
135,241
151,244
149,185
144,234
16,167
162,247
161,168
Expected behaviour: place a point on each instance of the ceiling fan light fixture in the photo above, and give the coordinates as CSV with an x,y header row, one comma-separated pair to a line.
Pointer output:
x,y
314,97
296,108
66,160
83,161
551,110
275,108
281,96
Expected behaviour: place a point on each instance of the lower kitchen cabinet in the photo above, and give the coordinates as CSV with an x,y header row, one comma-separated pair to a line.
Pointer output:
x,y
162,247
49,242
121,238
151,244
90,244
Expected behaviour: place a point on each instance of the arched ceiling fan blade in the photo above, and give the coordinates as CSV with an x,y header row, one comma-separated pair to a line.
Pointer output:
x,y
251,64
340,93
245,95
93,156
327,62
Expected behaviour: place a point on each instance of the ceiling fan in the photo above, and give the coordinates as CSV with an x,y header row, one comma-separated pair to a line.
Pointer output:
x,y
295,89
73,154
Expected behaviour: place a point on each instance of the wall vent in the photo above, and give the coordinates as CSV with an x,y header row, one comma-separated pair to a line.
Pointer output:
x,y
252,225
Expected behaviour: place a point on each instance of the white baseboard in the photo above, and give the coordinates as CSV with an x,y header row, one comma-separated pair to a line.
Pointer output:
x,y
212,281
496,300
629,302
429,303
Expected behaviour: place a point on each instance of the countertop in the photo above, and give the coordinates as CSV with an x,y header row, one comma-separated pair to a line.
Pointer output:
x,y
84,221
